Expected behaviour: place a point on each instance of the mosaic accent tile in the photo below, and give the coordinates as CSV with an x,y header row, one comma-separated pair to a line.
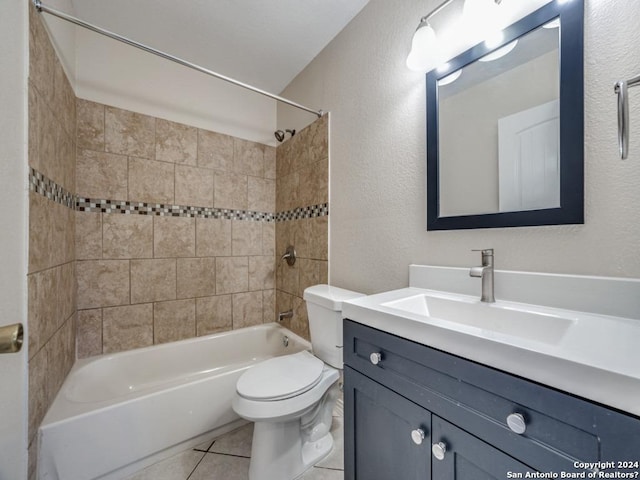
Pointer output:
x,y
46,187
303,212
163,210
40,184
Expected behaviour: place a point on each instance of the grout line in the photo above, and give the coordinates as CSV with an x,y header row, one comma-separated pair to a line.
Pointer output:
x,y
227,454
128,177
104,127
197,464
207,448
101,331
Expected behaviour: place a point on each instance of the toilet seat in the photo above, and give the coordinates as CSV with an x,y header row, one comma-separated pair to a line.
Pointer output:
x,y
280,378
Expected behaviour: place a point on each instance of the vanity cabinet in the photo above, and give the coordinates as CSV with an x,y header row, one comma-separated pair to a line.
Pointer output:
x,y
385,423
413,412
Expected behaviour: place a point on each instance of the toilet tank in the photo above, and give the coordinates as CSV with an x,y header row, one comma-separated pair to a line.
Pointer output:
x,y
324,308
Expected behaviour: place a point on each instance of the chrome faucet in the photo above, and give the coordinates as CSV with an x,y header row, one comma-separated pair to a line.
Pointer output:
x,y
289,255
283,315
485,272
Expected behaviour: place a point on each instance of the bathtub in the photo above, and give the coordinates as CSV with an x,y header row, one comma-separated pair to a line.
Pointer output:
x,y
118,413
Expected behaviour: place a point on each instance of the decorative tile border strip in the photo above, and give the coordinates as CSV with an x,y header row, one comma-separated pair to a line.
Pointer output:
x,y
46,187
303,212
159,209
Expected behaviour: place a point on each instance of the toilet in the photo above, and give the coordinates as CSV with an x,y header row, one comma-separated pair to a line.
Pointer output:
x,y
291,398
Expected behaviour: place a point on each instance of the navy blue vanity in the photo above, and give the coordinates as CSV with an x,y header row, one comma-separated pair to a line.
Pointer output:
x,y
414,412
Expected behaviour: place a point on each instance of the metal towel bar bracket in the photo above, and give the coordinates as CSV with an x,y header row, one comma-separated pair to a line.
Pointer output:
x,y
620,88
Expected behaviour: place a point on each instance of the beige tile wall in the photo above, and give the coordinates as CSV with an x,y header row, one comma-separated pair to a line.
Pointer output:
x,y
144,280
302,180
51,278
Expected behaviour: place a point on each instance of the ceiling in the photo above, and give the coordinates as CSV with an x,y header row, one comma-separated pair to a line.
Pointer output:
x,y
265,43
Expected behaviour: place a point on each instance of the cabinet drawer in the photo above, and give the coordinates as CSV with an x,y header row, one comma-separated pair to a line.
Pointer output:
x,y
560,429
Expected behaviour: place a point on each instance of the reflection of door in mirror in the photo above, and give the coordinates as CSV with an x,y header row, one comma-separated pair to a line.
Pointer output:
x,y
529,159
469,111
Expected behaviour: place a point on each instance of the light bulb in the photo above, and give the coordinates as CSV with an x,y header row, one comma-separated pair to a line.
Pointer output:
x,y
499,53
423,55
450,78
482,18
555,23
494,39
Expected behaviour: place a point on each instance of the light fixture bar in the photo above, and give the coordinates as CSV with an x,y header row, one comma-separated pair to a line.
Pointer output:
x,y
443,5
435,10
40,7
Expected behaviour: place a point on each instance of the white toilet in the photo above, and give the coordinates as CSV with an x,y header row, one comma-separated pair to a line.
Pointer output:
x,y
291,398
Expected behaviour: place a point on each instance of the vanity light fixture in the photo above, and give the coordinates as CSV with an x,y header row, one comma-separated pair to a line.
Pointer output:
x,y
425,52
499,53
552,24
482,21
493,38
450,78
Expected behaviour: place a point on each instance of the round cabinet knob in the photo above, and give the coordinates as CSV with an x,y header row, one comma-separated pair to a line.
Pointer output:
x,y
438,450
375,357
417,436
516,423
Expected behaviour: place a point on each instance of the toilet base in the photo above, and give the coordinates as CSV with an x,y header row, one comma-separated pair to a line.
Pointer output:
x,y
282,441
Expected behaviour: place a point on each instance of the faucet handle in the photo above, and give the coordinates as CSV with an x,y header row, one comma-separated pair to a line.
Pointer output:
x,y
485,251
487,256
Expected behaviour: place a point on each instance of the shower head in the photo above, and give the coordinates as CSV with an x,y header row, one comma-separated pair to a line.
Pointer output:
x,y
279,134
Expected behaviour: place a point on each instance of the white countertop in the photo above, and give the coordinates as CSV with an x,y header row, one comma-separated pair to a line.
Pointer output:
x,y
597,358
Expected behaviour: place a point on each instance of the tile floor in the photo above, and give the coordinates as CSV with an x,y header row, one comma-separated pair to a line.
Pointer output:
x,y
227,458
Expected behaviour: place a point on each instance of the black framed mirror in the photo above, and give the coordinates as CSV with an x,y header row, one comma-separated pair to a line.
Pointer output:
x,y
505,127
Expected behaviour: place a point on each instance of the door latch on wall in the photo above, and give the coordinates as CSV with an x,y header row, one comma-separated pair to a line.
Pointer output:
x,y
11,337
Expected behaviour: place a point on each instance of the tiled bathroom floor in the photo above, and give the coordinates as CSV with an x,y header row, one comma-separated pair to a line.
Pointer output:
x,y
227,458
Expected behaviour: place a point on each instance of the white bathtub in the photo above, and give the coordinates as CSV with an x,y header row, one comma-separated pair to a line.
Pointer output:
x,y
117,413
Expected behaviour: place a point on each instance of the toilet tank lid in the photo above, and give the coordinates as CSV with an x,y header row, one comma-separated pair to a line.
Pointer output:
x,y
329,296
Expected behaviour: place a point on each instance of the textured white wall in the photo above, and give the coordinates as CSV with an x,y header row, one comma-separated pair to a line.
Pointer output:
x,y
377,153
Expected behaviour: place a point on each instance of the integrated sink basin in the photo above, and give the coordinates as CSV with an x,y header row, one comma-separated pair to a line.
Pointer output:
x,y
578,334
508,318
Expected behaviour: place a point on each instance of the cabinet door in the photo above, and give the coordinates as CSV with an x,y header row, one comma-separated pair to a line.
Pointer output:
x,y
383,433
465,457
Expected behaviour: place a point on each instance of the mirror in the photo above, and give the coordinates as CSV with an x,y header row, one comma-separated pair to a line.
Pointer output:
x,y
505,127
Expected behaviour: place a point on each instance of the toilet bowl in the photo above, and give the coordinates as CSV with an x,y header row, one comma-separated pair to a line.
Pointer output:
x,y
291,398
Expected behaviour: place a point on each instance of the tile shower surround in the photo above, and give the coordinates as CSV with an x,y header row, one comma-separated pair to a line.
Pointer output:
x,y
302,178
165,270
51,278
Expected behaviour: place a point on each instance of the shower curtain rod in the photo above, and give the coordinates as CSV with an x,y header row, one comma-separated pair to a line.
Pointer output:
x,y
40,7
